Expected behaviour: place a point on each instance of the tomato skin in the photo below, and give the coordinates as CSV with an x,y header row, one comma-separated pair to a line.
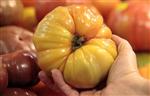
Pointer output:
x,y
76,43
131,21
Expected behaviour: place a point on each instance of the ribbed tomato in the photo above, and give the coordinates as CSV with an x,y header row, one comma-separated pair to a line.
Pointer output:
x,y
75,40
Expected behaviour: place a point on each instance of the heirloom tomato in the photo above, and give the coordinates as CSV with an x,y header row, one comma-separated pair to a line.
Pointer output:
x,y
75,40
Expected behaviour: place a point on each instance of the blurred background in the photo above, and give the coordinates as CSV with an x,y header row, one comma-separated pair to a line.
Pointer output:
x,y
129,19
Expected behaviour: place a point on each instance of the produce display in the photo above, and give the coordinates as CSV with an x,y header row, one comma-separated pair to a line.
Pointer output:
x,y
14,13
74,36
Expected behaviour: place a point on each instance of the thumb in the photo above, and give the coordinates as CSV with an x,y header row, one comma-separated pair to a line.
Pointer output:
x,y
125,63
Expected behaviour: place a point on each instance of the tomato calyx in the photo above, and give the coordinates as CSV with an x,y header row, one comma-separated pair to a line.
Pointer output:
x,y
77,42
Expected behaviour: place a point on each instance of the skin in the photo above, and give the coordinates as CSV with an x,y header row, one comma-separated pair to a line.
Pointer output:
x,y
123,78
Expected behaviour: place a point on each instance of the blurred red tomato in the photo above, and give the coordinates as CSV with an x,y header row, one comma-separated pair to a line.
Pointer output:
x,y
132,21
28,19
105,6
45,6
28,3
10,12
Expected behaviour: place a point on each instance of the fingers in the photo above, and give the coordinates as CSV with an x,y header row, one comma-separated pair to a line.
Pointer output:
x,y
124,48
117,39
88,93
48,81
123,45
58,79
57,83
125,63
44,78
91,93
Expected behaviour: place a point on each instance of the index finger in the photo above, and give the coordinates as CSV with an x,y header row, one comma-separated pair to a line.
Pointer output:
x,y
125,63
123,45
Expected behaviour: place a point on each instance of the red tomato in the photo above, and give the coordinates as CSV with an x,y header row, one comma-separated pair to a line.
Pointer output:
x,y
132,21
28,2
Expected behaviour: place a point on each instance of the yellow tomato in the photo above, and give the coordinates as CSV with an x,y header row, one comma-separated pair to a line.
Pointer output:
x,y
75,40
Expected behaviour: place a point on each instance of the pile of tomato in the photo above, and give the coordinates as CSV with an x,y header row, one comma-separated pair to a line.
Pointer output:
x,y
73,36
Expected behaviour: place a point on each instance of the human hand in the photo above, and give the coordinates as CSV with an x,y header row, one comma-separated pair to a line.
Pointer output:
x,y
123,78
